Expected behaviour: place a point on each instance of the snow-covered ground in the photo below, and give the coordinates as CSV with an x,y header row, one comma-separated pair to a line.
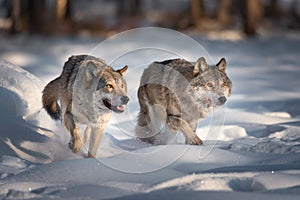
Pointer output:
x,y
251,147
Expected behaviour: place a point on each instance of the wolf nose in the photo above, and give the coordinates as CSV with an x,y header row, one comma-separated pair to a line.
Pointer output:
x,y
124,99
222,99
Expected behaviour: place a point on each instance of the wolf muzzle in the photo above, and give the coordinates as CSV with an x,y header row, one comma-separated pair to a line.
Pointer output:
x,y
222,100
124,100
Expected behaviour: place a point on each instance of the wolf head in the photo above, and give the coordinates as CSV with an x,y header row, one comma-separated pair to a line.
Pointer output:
x,y
111,88
211,84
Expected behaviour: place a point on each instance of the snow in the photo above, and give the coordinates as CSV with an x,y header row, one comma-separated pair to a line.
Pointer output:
x,y
251,145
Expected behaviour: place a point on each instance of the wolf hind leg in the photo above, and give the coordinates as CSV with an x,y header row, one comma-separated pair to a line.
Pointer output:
x,y
177,123
75,143
142,128
143,132
151,124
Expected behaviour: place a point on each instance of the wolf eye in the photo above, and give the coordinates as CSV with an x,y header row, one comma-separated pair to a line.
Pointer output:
x,y
209,85
109,86
223,84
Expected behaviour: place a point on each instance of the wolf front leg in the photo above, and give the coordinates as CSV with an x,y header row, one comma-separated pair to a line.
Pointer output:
x,y
86,138
177,123
96,134
75,143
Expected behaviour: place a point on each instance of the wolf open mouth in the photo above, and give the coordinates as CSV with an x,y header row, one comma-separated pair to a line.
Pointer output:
x,y
117,109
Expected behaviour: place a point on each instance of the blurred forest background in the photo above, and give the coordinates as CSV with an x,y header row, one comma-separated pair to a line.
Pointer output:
x,y
106,17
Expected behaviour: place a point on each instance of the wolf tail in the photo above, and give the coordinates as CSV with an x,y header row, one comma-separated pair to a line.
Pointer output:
x,y
49,99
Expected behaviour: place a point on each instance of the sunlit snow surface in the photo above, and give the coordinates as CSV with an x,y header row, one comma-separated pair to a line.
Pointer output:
x,y
251,147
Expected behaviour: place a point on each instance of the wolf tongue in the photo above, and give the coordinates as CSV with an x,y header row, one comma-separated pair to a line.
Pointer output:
x,y
120,107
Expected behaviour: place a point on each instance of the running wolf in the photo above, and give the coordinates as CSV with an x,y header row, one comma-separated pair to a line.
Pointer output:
x,y
88,90
174,94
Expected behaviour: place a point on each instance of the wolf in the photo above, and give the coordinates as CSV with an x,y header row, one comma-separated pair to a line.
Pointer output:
x,y
175,94
88,91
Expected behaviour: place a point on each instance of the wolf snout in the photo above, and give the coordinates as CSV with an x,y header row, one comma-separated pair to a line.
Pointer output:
x,y
124,99
222,100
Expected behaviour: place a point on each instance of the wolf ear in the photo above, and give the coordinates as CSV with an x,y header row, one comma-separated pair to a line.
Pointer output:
x,y
222,65
200,66
90,71
123,70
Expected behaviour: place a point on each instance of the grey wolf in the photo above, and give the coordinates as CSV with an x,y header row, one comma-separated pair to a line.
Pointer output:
x,y
176,94
89,91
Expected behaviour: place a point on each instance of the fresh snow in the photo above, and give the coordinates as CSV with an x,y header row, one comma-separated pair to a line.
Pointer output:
x,y
251,146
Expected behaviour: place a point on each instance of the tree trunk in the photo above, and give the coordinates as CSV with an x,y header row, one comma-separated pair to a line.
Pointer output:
x,y
196,12
16,17
36,16
61,9
275,10
253,14
224,15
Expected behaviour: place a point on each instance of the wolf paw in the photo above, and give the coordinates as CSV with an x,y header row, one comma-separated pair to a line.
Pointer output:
x,y
75,144
196,141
